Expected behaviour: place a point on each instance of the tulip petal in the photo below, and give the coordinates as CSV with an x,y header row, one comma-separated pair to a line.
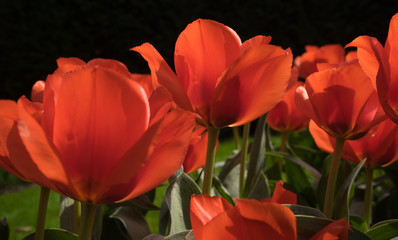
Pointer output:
x,y
196,154
337,230
271,219
255,41
203,51
66,65
283,196
304,104
96,114
37,91
322,139
41,150
174,136
162,74
391,48
251,86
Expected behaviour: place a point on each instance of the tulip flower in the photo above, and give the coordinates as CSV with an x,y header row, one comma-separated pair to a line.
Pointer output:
x,y
196,154
225,82
341,100
379,148
337,230
281,195
97,137
380,64
285,117
215,218
307,63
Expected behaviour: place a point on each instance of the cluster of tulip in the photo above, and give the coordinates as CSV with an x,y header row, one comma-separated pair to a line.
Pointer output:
x,y
98,134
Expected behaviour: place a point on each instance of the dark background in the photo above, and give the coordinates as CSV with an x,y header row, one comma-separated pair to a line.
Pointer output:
x,y
35,33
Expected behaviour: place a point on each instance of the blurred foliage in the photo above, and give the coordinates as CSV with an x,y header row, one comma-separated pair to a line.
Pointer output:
x,y
35,33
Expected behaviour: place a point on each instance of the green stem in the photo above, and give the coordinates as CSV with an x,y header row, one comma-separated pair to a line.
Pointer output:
x,y
41,215
333,172
367,214
283,148
77,207
245,144
236,137
87,221
210,159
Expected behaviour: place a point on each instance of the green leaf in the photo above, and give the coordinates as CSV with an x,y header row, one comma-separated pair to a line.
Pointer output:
x,y
221,190
317,175
153,237
178,236
307,226
230,164
164,218
178,198
305,211
261,188
132,221
297,178
185,235
385,230
256,162
231,181
341,201
4,229
54,234
359,223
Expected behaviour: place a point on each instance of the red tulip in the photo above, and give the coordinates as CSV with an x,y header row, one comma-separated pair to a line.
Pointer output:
x,y
337,230
281,195
196,154
285,117
97,137
379,147
306,63
341,100
214,218
225,82
380,64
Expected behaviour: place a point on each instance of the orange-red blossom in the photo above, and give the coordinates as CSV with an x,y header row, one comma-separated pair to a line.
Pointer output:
x,y
341,100
381,65
379,147
285,117
214,218
225,82
97,136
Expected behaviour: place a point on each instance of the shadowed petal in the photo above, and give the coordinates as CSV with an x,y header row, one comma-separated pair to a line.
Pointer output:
x,y
41,150
271,219
173,139
203,51
97,115
251,86
337,230
162,74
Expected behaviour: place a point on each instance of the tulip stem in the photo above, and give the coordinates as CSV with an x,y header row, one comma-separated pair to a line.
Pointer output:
x,y
77,207
282,149
210,159
41,215
245,144
367,214
333,172
87,221
236,137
